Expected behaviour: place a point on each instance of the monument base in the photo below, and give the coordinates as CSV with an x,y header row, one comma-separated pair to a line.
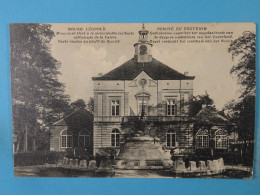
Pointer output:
x,y
142,152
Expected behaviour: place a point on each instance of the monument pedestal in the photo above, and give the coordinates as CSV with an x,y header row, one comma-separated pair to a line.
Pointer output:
x,y
142,152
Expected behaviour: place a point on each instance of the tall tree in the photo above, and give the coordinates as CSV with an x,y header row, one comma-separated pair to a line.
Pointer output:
x,y
37,95
242,111
195,104
243,52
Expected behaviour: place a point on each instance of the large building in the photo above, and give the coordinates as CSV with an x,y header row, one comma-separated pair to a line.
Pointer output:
x,y
144,87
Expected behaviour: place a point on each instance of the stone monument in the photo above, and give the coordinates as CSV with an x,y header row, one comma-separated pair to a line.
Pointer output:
x,y
142,152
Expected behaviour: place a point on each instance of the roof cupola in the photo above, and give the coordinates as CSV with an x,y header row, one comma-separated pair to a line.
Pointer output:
x,y
143,47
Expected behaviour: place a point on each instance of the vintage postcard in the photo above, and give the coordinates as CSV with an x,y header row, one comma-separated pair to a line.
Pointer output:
x,y
150,100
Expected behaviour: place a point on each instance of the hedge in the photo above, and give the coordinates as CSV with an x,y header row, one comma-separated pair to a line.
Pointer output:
x,y
37,158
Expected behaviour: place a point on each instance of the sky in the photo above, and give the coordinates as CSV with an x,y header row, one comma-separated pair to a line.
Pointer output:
x,y
210,63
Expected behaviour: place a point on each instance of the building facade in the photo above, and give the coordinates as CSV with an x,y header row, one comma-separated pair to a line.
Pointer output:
x,y
143,87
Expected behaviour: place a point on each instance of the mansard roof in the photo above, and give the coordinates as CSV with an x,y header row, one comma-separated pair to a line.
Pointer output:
x,y
155,69
209,115
64,121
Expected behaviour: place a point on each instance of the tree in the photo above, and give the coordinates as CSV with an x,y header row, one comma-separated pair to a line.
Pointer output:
x,y
243,52
78,104
242,111
38,97
195,104
80,119
90,105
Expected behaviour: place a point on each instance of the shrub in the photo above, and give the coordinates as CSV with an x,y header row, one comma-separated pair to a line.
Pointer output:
x,y
37,158
78,153
100,158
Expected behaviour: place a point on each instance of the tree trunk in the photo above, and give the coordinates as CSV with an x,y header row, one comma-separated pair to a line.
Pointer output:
x,y
17,146
34,141
34,145
25,146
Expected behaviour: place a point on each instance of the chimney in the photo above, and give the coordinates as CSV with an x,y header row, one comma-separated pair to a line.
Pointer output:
x,y
186,73
100,74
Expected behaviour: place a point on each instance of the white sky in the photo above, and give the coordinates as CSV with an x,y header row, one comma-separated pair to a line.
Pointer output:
x,y
209,63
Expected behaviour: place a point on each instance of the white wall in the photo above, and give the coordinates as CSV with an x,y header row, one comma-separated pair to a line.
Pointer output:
x,y
126,92
134,90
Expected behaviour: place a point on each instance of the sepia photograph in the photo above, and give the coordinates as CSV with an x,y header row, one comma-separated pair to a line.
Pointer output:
x,y
133,100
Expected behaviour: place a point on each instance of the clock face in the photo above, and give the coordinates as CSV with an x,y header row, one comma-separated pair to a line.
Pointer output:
x,y
143,82
143,49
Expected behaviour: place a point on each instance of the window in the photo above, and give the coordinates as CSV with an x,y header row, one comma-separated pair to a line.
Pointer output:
x,y
143,107
143,98
170,108
202,139
115,138
171,138
221,139
84,139
66,139
115,107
